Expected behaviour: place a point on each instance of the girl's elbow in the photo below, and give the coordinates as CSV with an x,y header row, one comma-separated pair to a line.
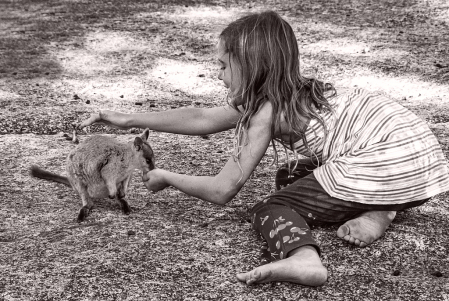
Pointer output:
x,y
225,195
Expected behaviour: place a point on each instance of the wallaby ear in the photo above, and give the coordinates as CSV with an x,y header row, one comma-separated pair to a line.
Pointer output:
x,y
145,134
138,142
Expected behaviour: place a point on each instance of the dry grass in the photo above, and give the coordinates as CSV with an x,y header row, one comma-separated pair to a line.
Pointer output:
x,y
59,61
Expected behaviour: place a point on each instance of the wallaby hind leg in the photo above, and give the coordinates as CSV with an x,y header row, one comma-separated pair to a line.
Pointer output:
x,y
87,203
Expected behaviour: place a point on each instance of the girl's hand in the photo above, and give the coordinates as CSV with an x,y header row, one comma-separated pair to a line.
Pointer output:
x,y
109,118
154,180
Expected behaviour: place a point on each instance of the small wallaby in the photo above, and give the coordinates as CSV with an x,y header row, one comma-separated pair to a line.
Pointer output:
x,y
102,167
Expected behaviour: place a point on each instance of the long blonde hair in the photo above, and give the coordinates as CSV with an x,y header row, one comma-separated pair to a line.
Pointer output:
x,y
265,48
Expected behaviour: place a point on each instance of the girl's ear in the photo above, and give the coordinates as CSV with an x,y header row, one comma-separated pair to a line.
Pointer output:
x,y
145,134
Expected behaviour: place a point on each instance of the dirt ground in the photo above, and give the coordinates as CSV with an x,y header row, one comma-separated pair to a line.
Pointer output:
x,y
62,60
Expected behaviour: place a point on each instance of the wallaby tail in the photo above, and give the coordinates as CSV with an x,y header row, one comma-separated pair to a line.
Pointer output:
x,y
49,176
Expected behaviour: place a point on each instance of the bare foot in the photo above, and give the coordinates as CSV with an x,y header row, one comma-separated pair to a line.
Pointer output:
x,y
366,228
303,266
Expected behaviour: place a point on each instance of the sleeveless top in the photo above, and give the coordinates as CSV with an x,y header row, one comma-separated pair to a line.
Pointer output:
x,y
376,152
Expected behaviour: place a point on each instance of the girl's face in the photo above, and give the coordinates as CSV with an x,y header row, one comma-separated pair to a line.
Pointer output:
x,y
229,71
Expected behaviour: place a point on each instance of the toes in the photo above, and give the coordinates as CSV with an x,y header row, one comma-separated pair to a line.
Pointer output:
x,y
242,277
254,276
343,231
355,241
250,277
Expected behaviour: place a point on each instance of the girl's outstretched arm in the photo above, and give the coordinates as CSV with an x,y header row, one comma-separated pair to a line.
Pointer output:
x,y
187,121
221,188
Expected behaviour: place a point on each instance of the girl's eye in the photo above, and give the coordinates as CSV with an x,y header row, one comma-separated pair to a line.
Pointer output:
x,y
222,68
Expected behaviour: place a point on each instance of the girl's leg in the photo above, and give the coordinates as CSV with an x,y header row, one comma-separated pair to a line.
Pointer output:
x,y
294,253
363,223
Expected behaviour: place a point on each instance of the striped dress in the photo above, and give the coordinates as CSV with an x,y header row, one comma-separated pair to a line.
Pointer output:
x,y
376,152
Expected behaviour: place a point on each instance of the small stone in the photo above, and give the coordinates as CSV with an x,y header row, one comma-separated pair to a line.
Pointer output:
x,y
76,97
201,75
131,232
152,105
121,96
138,103
437,274
87,101
396,273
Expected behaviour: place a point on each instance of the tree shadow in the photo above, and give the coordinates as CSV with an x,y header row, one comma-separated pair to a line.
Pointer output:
x,y
34,32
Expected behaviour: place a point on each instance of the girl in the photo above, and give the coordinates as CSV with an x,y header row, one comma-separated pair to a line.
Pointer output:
x,y
367,156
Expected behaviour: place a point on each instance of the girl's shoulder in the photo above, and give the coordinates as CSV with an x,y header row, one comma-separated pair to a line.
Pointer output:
x,y
263,115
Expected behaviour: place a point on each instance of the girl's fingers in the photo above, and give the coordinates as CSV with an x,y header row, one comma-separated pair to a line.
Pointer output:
x,y
146,176
105,117
94,118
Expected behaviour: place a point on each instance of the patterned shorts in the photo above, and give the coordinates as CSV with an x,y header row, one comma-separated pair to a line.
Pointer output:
x,y
283,218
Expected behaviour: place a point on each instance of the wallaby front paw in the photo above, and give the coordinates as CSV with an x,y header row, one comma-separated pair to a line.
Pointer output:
x,y
121,194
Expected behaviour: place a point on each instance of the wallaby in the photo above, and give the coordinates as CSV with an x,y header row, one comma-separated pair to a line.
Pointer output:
x,y
100,167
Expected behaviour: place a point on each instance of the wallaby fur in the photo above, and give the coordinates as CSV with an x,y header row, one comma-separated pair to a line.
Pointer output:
x,y
102,167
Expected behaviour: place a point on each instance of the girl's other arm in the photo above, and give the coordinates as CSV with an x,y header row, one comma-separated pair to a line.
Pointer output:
x,y
187,121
